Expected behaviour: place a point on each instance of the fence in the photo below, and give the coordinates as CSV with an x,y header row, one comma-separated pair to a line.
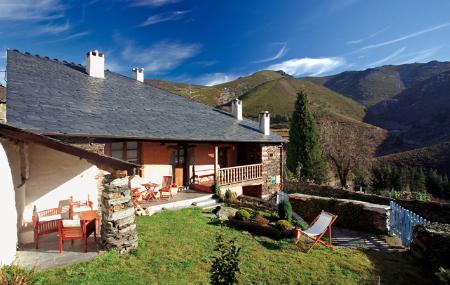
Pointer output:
x,y
403,221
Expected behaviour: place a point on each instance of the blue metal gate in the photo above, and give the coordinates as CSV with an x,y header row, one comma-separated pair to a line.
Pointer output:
x,y
402,222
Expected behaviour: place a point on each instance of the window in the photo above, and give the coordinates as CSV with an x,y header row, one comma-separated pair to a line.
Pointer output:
x,y
126,151
178,155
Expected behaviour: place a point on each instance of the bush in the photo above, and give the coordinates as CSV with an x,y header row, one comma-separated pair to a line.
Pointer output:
x,y
261,220
228,195
242,215
225,264
444,276
217,192
285,210
16,275
283,225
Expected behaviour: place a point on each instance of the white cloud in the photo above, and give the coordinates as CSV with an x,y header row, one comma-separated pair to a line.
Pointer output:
x,y
405,37
358,41
420,56
152,3
215,78
282,52
30,10
308,66
161,56
51,29
68,37
388,58
164,17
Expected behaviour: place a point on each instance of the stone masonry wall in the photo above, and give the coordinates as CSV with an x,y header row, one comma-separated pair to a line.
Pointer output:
x,y
118,219
270,157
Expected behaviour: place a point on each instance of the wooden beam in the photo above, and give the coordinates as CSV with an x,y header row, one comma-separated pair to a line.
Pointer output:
x,y
216,163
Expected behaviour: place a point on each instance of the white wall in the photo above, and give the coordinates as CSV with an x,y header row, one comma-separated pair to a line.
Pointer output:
x,y
7,211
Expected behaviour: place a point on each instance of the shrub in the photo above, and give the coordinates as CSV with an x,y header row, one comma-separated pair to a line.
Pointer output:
x,y
16,275
285,210
283,224
261,220
421,196
225,264
443,276
228,195
217,191
242,215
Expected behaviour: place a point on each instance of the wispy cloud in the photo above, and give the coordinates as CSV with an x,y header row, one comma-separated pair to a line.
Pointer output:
x,y
51,29
215,78
164,17
282,52
408,36
388,58
420,56
308,66
67,38
30,10
160,57
151,3
205,63
358,41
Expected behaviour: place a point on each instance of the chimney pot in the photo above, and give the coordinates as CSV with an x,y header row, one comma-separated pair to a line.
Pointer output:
x,y
138,74
95,64
236,109
264,123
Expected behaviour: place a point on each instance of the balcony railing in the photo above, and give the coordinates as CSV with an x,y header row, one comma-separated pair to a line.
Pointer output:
x,y
239,174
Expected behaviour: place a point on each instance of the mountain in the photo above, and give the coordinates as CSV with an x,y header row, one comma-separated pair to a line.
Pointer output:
x,y
219,94
374,85
278,97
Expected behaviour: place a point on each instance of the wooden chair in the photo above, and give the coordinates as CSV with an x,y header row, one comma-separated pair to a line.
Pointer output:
x,y
45,222
166,186
321,224
76,207
75,230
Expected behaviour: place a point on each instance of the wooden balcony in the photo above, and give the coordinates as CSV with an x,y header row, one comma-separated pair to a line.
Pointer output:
x,y
239,174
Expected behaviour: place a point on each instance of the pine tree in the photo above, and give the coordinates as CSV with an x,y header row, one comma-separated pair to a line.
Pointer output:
x,y
303,149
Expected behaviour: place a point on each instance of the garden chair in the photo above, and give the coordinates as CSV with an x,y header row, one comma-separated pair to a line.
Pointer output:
x,y
76,230
321,224
166,191
45,222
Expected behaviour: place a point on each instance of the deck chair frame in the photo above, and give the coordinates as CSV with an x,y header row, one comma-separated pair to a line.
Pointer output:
x,y
318,239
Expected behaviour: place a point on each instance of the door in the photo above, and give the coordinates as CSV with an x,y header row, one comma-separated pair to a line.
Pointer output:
x,y
223,157
179,165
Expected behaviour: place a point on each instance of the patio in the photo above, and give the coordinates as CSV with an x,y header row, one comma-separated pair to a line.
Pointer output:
x,y
183,199
48,256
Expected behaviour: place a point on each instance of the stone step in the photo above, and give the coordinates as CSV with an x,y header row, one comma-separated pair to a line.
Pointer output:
x,y
181,203
206,203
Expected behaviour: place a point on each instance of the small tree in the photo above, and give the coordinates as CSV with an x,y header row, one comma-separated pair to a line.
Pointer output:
x,y
225,265
303,150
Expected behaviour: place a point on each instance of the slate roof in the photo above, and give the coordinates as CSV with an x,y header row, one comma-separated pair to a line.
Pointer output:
x,y
58,98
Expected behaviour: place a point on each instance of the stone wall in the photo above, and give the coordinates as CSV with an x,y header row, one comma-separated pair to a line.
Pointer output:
x,y
431,244
354,215
271,172
2,112
118,219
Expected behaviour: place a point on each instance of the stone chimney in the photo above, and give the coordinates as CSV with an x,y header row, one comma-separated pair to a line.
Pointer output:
x,y
95,64
138,74
264,123
236,109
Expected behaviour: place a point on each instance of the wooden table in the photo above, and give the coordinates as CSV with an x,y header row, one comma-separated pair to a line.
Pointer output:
x,y
151,191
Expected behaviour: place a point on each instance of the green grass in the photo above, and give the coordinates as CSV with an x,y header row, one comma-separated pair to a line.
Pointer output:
x,y
175,248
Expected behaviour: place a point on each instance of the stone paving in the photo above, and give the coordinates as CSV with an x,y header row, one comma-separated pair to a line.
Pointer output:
x,y
353,239
48,256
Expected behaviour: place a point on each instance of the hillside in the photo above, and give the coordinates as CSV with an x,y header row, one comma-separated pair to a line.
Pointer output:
x,y
374,85
421,112
218,94
435,157
278,97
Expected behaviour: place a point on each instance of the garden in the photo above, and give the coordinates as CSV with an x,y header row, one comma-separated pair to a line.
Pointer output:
x,y
177,247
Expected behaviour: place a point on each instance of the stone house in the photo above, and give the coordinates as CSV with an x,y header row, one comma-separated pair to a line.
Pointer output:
x,y
109,115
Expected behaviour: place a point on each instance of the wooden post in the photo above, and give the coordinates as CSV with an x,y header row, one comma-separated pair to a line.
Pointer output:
x,y
216,163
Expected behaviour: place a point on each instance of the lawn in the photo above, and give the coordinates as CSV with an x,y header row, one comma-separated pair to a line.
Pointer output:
x,y
175,247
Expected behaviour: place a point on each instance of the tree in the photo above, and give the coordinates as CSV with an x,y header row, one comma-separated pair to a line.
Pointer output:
x,y
346,148
225,265
304,154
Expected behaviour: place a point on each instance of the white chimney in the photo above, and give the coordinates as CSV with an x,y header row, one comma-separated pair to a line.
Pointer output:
x,y
236,109
264,123
138,74
95,64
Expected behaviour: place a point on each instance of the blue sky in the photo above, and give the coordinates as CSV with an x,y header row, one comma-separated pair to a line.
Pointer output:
x,y
209,42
